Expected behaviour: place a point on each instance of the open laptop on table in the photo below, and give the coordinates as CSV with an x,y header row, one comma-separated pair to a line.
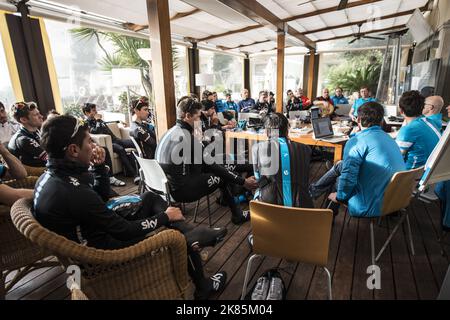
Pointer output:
x,y
323,130
343,109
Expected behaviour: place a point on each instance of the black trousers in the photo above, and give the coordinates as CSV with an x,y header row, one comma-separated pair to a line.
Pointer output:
x,y
198,186
108,161
119,146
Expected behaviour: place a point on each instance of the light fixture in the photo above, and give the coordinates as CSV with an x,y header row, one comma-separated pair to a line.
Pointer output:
x,y
204,80
126,77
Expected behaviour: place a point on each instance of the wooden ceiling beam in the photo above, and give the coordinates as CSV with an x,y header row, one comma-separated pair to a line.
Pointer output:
x,y
330,9
260,14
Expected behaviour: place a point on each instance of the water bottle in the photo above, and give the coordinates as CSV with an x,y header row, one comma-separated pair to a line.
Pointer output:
x,y
261,289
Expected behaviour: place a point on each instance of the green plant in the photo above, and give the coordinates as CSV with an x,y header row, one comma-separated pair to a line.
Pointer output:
x,y
359,68
72,109
124,101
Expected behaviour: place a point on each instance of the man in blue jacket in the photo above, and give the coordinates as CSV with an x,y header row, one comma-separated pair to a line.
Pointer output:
x,y
433,110
371,158
365,97
418,137
247,103
339,98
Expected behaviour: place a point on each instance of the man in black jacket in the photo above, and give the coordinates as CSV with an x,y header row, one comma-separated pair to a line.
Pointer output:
x,y
142,131
190,173
98,126
25,143
70,201
282,166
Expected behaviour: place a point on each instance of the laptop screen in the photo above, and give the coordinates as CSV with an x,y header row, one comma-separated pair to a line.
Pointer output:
x,y
322,127
255,122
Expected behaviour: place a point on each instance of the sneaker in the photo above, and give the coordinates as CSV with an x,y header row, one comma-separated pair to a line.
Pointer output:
x,y
137,180
202,237
261,289
218,281
116,182
275,289
244,217
328,165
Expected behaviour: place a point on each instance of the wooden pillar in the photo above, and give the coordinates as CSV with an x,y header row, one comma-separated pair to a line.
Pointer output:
x,y
311,74
281,40
247,84
162,65
194,68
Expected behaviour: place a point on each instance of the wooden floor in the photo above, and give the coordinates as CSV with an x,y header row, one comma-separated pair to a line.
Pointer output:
x,y
403,276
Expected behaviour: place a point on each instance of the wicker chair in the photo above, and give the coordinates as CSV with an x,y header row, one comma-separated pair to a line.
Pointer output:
x,y
34,171
16,251
155,268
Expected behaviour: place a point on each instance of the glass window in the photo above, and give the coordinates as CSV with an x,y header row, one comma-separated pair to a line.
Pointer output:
x,y
350,70
228,72
180,70
263,71
7,96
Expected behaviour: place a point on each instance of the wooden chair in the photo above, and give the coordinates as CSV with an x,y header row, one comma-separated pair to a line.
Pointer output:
x,y
294,234
16,251
397,197
155,268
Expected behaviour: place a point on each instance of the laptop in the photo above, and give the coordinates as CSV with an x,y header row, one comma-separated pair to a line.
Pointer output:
x,y
255,122
323,130
343,109
247,116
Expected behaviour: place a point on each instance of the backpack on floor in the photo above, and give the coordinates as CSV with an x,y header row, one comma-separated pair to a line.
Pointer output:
x,y
269,286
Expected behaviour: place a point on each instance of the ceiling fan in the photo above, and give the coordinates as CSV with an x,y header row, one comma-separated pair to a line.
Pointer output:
x,y
359,35
342,4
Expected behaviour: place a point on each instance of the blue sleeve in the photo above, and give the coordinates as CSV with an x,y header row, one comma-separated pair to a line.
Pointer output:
x,y
353,158
405,139
345,100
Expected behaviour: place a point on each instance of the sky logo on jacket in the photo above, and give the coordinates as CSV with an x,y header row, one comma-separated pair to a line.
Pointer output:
x,y
149,224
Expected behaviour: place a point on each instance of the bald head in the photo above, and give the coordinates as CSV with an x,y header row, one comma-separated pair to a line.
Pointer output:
x,y
433,105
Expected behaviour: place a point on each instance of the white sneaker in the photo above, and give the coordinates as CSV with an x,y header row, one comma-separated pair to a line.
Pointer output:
x,y
116,182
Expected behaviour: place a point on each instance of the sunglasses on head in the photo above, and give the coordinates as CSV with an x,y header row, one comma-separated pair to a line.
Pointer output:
x,y
79,124
141,102
25,105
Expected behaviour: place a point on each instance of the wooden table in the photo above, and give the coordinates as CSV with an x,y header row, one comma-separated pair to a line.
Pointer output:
x,y
304,138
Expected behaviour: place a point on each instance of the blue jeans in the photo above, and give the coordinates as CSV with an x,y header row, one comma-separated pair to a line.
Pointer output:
x,y
328,182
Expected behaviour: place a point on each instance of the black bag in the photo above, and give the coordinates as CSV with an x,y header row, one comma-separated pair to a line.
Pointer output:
x,y
269,286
